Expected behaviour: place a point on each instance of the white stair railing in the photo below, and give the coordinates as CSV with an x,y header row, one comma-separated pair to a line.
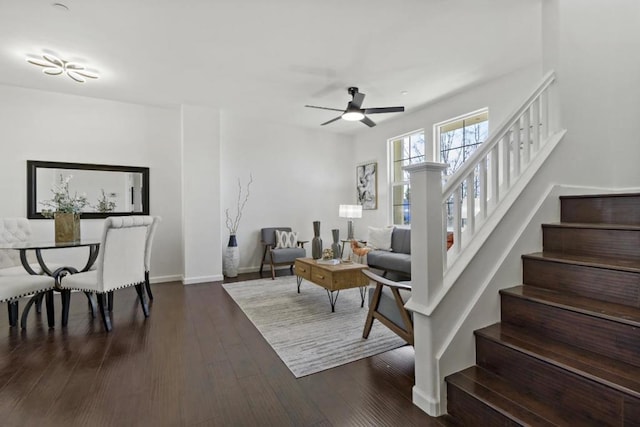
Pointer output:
x,y
473,192
470,205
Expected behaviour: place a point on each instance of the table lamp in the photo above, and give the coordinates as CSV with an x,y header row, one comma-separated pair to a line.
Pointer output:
x,y
350,211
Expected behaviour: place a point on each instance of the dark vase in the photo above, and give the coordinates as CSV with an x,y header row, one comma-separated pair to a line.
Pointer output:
x,y
316,242
335,246
231,258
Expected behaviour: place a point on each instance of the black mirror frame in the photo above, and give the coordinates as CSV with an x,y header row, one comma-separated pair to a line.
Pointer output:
x,y
32,202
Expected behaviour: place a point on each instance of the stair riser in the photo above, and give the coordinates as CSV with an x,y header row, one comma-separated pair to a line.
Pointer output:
x,y
603,336
585,400
469,411
592,242
615,286
605,210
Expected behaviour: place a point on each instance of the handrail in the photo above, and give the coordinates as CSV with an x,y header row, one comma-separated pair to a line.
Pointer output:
x,y
473,192
473,202
460,175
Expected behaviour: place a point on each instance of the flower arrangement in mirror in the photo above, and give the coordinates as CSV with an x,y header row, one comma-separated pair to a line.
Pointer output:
x,y
104,204
62,201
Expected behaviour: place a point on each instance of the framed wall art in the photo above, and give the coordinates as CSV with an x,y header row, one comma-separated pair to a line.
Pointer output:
x,y
367,185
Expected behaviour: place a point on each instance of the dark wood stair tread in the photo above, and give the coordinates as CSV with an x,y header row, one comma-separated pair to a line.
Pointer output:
x,y
592,225
599,196
631,265
499,395
588,306
610,372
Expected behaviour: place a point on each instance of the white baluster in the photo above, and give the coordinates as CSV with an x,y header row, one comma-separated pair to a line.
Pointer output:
x,y
457,220
544,116
535,122
506,161
526,126
445,254
471,206
495,174
484,197
516,144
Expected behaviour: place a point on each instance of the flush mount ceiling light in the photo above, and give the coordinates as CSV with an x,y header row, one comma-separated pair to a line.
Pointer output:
x,y
54,66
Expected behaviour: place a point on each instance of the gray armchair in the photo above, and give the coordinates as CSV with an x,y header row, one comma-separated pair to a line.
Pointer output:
x,y
279,256
386,303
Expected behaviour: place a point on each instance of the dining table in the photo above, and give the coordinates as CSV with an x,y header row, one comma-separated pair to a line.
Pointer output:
x,y
37,247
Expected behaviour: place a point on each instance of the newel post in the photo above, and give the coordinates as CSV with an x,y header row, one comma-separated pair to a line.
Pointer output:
x,y
427,268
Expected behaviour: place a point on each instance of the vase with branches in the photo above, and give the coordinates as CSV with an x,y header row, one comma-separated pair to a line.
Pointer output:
x,y
232,254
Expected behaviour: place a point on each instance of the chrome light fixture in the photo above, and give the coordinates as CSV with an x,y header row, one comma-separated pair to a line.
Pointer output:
x,y
54,66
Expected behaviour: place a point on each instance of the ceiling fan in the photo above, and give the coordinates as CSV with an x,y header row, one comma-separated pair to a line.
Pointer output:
x,y
355,112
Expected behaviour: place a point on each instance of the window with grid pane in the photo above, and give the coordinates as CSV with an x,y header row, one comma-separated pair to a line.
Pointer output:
x,y
405,150
458,138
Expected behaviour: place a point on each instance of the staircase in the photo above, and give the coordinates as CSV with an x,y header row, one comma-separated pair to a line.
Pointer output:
x,y
567,351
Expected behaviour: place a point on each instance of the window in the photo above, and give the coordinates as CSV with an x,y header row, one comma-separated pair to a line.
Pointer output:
x,y
405,150
458,138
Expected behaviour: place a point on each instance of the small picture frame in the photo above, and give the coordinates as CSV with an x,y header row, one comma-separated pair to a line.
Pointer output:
x,y
367,185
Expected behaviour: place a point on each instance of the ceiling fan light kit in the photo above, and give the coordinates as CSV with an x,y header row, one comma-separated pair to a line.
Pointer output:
x,y
352,116
354,111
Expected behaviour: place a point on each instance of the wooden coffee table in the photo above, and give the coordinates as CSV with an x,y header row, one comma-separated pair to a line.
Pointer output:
x,y
333,278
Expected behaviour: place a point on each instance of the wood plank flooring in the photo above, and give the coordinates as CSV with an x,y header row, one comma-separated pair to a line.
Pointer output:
x,y
196,361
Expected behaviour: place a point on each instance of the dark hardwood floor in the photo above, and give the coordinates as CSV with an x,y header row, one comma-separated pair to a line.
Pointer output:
x,y
196,361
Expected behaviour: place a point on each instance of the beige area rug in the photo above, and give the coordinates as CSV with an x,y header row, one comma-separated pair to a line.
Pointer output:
x,y
301,328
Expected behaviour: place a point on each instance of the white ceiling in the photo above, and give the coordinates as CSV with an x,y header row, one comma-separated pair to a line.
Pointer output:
x,y
271,57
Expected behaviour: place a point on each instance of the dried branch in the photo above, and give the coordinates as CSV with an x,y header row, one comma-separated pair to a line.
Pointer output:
x,y
232,225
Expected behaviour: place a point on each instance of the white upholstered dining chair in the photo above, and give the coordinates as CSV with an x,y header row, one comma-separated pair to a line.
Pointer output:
x,y
20,282
14,230
147,254
12,288
120,264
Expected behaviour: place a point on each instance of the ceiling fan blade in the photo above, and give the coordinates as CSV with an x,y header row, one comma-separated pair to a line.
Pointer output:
x,y
331,121
367,121
357,100
383,110
323,108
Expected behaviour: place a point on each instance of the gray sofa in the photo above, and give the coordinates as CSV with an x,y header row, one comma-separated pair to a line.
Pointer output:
x,y
398,260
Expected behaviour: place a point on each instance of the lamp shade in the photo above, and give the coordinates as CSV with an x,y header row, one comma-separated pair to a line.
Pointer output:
x,y
350,211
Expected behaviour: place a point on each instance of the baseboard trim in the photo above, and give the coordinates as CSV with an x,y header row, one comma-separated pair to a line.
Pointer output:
x,y
165,279
202,279
428,405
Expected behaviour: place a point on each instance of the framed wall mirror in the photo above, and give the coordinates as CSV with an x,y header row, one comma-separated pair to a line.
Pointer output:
x,y
109,190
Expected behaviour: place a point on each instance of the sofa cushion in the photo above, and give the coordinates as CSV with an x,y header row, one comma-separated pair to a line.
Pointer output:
x,y
401,240
287,255
380,238
392,261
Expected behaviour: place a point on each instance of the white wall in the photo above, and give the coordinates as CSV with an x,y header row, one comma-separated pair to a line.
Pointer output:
x,y
299,175
595,54
200,167
39,125
502,96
